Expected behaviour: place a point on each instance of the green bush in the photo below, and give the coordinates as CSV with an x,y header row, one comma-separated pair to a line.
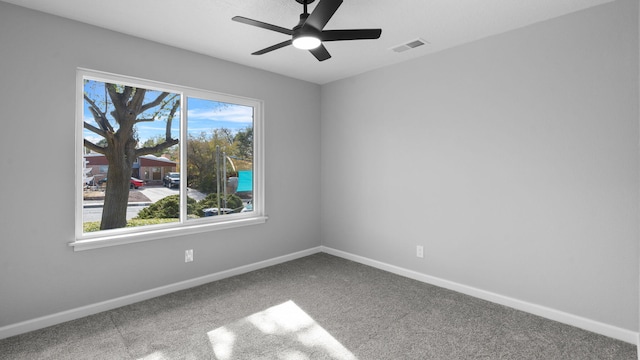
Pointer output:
x,y
211,201
168,207
205,183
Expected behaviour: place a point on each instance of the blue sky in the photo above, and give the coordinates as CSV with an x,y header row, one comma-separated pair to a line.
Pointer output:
x,y
203,115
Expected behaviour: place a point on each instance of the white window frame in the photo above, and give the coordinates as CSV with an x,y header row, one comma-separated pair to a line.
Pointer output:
x,y
105,238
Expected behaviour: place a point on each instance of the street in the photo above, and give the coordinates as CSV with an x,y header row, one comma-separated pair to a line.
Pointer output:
x,y
154,193
95,213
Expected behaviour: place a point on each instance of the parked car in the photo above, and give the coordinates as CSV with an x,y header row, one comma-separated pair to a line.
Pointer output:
x,y
171,180
214,211
134,183
248,207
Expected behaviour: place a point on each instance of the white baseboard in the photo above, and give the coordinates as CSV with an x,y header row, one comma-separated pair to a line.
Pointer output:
x,y
546,312
57,318
549,313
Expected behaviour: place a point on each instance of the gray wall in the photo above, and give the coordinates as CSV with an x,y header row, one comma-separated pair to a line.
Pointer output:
x,y
39,273
512,160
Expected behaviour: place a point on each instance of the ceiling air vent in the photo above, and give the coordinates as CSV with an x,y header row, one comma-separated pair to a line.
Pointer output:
x,y
409,45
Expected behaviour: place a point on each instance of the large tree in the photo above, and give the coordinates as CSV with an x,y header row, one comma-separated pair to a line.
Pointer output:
x,y
244,143
201,163
125,106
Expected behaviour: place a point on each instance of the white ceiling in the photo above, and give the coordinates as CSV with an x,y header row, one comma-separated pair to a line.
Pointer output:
x,y
205,26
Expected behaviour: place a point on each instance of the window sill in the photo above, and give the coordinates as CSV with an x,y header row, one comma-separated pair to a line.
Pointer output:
x,y
129,238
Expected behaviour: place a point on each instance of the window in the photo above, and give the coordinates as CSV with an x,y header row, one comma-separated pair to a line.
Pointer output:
x,y
176,160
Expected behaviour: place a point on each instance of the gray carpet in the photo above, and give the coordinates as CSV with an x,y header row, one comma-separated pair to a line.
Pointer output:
x,y
317,307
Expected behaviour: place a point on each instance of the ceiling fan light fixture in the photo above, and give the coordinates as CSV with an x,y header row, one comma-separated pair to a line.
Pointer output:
x,y
310,34
306,42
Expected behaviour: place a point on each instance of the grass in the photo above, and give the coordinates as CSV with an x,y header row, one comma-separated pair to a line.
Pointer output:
x,y
95,225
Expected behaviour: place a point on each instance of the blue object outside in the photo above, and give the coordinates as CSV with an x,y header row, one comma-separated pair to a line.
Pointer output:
x,y
245,180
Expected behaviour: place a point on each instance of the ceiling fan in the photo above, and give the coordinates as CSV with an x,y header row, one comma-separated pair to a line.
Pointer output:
x,y
309,34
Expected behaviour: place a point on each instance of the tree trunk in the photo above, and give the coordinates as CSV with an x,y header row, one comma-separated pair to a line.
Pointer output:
x,y
116,197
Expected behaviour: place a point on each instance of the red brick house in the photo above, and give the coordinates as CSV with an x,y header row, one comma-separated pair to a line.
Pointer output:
x,y
149,168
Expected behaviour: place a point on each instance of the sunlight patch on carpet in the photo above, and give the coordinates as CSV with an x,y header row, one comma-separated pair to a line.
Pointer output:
x,y
283,332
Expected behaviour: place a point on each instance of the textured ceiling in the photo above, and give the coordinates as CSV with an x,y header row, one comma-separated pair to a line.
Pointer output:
x,y
205,26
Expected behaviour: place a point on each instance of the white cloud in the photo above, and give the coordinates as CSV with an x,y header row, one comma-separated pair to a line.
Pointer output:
x,y
235,114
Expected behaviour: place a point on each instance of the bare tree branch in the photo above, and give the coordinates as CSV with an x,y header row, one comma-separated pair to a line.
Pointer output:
x,y
91,146
127,93
95,129
154,149
168,140
137,101
92,103
172,113
116,99
174,108
98,115
154,103
101,119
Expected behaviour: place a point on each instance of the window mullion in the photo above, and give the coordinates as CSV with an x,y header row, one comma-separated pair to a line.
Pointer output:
x,y
183,156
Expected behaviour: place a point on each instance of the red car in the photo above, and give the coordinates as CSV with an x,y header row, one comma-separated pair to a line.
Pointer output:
x,y
135,183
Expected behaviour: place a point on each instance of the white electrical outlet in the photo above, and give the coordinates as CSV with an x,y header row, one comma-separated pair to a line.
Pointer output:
x,y
188,255
420,251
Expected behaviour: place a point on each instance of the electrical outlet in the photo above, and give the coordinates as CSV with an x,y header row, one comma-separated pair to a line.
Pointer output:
x,y
188,255
420,251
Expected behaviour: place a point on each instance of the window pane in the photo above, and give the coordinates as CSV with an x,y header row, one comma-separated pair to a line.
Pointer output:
x,y
219,158
131,137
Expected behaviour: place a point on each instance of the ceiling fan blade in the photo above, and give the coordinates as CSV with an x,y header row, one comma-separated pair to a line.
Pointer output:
x,y
273,47
320,53
263,25
322,13
355,34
